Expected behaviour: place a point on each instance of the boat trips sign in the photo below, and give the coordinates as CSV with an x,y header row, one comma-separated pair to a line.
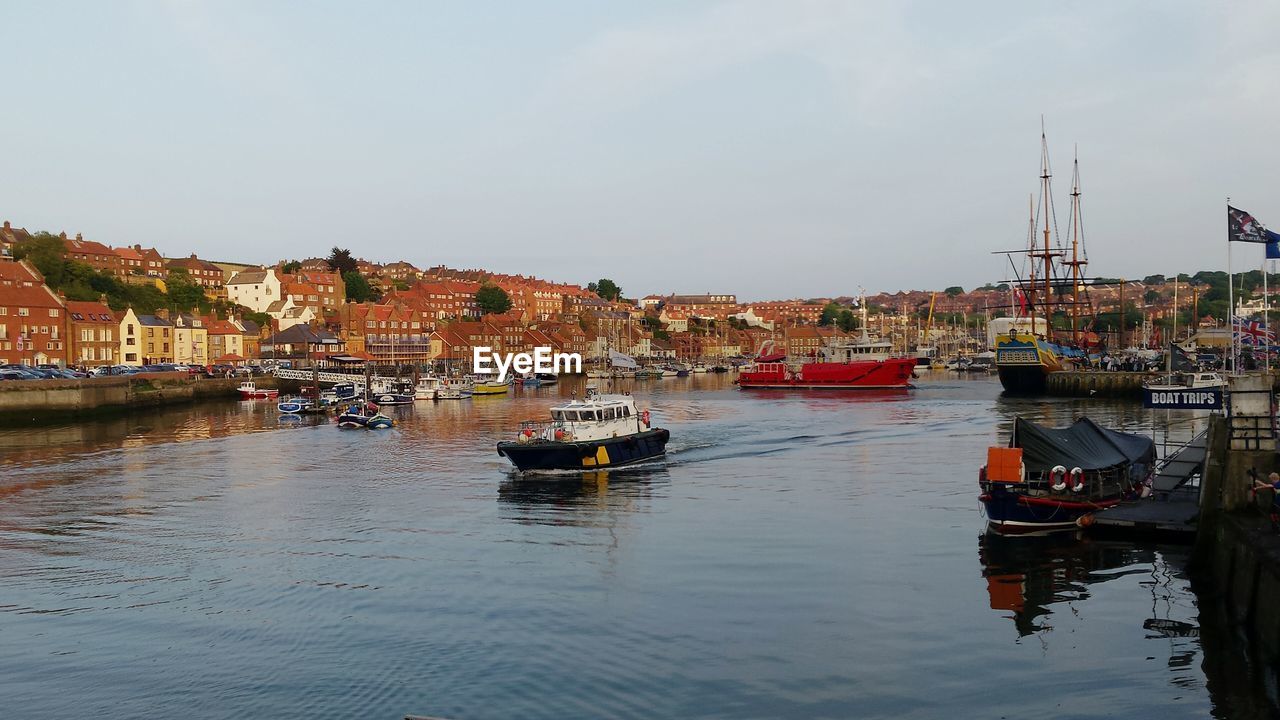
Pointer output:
x,y
1200,399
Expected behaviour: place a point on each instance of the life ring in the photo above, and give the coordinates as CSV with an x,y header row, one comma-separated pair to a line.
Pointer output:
x,y
1077,479
644,418
1058,478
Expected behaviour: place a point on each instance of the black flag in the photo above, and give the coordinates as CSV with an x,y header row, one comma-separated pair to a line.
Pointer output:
x,y
1241,227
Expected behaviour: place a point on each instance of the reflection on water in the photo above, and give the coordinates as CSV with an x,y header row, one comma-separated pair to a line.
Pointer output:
x,y
794,555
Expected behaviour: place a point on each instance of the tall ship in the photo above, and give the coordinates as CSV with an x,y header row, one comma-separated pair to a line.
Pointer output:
x,y
1052,290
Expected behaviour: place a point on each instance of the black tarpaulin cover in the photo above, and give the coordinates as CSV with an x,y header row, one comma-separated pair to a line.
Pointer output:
x,y
1084,445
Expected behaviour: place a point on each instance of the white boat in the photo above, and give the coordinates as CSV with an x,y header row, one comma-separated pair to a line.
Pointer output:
x,y
597,374
699,368
426,388
455,389
1187,381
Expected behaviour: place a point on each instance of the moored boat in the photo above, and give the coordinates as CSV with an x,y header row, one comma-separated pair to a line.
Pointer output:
x,y
1058,478
249,390
491,386
598,431
293,405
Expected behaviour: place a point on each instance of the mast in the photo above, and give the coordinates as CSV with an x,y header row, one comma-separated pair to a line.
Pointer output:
x,y
1076,263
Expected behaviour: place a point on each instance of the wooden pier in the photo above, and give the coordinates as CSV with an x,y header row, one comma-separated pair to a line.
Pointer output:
x,y
1174,505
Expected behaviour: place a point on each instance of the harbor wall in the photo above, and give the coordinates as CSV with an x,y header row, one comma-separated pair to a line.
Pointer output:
x,y
36,401
1095,383
1236,559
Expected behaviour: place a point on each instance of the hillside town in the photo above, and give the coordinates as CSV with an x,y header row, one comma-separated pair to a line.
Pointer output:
x,y
400,313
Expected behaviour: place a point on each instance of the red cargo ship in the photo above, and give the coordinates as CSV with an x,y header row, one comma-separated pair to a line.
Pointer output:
x,y
863,374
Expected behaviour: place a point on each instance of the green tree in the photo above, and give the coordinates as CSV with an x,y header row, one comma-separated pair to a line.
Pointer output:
x,y
846,320
954,290
340,261
1153,280
606,289
830,313
184,294
291,267
492,299
358,288
1151,296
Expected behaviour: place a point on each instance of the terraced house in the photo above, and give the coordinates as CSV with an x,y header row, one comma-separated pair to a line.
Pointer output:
x,y
144,339
93,334
203,273
32,317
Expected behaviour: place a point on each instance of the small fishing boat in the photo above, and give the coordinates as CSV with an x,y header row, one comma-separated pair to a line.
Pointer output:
x,y
365,415
597,431
340,393
249,390
426,388
491,386
1187,381
529,381
718,368
1058,478
597,373
454,389
699,368
548,378
392,392
293,405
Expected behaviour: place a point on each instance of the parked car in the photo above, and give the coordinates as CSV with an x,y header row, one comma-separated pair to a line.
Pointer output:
x,y
13,375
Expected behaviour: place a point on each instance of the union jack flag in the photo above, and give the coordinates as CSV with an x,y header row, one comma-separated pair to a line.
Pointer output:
x,y
1252,332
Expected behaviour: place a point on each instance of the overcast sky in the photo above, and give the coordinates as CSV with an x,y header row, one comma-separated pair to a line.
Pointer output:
x,y
772,149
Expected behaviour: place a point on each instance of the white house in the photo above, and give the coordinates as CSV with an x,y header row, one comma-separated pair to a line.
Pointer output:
x,y
255,289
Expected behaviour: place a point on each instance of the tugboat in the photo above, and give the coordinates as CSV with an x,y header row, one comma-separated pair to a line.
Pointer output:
x,y
597,431
366,416
1027,486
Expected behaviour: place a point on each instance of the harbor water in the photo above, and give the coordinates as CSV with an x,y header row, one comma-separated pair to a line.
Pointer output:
x,y
796,555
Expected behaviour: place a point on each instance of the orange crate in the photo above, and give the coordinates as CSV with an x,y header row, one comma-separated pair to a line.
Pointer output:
x,y
1004,464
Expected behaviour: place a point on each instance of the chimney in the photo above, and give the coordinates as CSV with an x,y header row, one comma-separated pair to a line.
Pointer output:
x,y
193,256
138,248
162,313
78,237
63,234
6,224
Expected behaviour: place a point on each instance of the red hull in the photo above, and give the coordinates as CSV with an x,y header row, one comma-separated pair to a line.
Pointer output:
x,y
861,374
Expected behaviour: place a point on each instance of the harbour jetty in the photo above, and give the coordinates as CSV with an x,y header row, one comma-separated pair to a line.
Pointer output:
x,y
36,401
1091,383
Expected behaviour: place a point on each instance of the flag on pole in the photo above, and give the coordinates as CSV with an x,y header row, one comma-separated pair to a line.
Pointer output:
x,y
1242,227
1252,332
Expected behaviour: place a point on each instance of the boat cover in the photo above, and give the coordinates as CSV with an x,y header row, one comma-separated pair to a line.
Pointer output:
x,y
1085,445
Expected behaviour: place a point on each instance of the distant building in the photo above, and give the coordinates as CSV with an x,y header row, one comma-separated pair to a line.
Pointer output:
x,y
256,288
202,272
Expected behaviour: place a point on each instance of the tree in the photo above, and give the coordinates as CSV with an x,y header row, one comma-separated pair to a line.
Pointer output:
x,y
830,313
184,294
954,290
1151,296
606,289
291,267
846,320
1153,280
492,299
358,289
340,261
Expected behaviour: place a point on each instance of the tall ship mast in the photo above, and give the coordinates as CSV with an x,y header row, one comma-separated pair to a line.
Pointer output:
x,y
1026,354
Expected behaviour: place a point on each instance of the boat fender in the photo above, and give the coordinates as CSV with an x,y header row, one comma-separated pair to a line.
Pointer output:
x,y
982,474
644,418
523,439
1058,478
1077,479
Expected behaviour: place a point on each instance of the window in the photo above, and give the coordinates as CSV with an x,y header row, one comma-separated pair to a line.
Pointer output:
x,y
53,312
86,334
23,312
4,311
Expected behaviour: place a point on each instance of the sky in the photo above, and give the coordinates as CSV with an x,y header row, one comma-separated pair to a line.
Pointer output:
x,y
795,148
